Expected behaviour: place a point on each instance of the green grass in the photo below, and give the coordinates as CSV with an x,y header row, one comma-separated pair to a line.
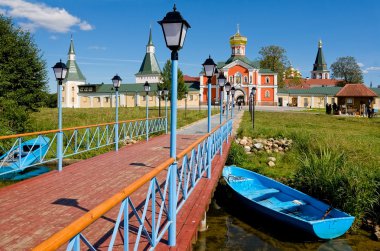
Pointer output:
x,y
46,119
333,157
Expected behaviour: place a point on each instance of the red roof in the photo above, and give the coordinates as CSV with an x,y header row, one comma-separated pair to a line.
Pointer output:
x,y
356,90
187,78
308,83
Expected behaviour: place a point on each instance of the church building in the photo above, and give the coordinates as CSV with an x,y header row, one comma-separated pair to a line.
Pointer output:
x,y
243,74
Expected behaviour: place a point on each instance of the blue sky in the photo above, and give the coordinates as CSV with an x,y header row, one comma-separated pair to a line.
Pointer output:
x,y
110,35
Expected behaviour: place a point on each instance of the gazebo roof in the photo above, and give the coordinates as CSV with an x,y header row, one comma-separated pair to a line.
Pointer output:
x,y
356,90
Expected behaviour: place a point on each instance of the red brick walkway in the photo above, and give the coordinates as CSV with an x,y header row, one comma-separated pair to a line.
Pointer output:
x,y
32,210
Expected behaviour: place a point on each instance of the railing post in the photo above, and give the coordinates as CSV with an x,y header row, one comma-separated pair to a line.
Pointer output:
x,y
209,145
126,225
209,105
221,104
19,152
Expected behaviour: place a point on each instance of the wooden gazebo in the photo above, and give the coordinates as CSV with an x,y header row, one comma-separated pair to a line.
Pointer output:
x,y
354,97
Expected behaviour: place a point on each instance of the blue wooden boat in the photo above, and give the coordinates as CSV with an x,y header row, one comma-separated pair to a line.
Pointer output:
x,y
22,156
285,204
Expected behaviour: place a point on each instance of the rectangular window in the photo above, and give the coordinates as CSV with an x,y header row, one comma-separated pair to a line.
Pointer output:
x,y
98,99
250,79
305,102
191,98
349,101
107,99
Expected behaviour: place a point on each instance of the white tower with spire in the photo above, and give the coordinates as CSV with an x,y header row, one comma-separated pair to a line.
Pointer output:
x,y
149,70
74,77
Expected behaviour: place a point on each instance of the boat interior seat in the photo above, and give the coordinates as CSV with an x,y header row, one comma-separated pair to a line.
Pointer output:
x,y
257,194
278,205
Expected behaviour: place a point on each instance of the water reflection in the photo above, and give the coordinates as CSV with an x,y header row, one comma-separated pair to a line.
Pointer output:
x,y
230,227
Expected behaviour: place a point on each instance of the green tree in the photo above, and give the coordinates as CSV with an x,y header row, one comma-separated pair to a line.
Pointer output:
x,y
347,69
23,78
166,80
274,57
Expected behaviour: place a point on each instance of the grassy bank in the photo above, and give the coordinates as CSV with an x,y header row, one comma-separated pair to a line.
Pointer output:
x,y
46,119
334,158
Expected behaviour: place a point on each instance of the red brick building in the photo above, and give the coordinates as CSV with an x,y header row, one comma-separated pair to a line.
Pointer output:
x,y
243,74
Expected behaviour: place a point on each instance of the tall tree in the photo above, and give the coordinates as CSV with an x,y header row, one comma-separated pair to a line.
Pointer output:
x,y
23,78
274,57
166,80
347,68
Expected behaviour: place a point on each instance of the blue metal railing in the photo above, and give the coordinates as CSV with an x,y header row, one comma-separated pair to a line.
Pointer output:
x,y
76,140
150,217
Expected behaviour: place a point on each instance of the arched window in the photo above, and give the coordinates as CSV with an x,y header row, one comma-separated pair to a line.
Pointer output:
x,y
326,76
250,79
245,79
267,94
267,80
319,75
231,79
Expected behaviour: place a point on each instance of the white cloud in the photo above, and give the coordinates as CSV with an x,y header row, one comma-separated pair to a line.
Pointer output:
x,y
360,64
97,48
53,37
372,68
39,15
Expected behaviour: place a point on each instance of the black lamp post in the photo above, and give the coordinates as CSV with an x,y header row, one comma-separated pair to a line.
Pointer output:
x,y
199,103
253,93
228,89
116,81
60,71
186,95
233,100
147,89
221,83
159,93
174,28
209,69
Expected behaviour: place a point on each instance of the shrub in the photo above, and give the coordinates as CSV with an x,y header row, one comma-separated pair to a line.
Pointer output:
x,y
326,174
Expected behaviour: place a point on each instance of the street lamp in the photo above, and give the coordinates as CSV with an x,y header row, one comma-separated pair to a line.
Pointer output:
x,y
147,89
116,81
221,82
174,28
159,93
228,89
186,95
166,93
253,106
60,71
209,69
233,100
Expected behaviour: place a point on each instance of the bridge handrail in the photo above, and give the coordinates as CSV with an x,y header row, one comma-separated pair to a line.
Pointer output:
x,y
66,234
77,226
198,141
72,128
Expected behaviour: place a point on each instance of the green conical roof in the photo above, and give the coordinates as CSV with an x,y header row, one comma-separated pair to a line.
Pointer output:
x,y
73,73
71,49
150,37
320,63
149,64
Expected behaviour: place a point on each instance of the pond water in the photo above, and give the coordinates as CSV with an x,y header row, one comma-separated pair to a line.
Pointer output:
x,y
229,229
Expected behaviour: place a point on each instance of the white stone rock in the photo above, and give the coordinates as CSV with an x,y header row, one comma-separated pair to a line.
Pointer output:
x,y
258,146
247,148
271,164
243,142
272,159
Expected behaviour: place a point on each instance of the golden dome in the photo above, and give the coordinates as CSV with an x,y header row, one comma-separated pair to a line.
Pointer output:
x,y
238,39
